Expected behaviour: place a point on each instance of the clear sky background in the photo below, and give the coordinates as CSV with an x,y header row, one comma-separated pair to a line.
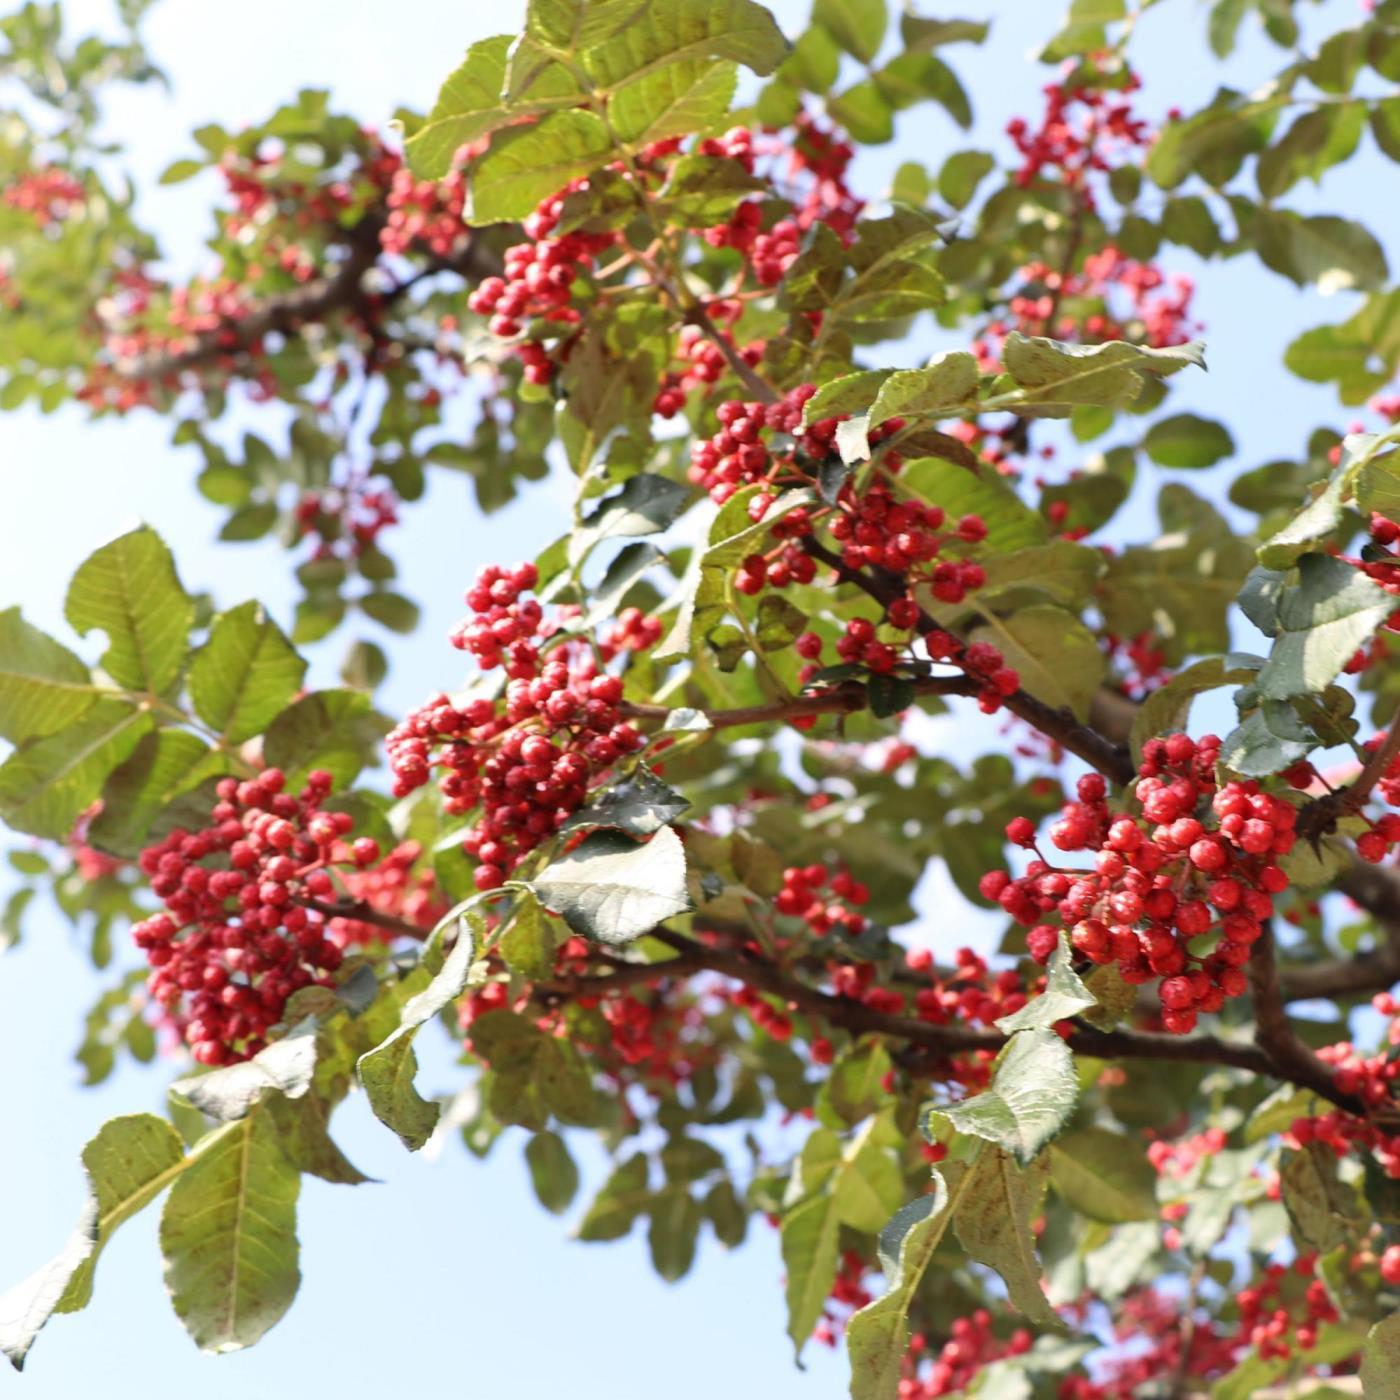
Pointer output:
x,y
448,1277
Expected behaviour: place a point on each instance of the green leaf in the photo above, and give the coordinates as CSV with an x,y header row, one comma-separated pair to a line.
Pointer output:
x,y
1054,376
528,942
677,31
1331,253
639,804
164,766
912,78
128,1163
1310,527
228,1236
1183,584
1187,442
779,623
1030,1098
1378,487
1057,657
893,275
675,1227
43,686
877,1337
1324,1212
1187,220
1268,740
389,609
704,190
809,1237
857,25
850,393
1104,1175
947,382
1360,354
960,175
284,1067
48,784
612,889
855,1087
1215,142
993,1223
1011,523
1064,995
387,1072
1169,707
1062,570
1319,139
469,105
616,1207
331,729
574,25
534,1074
243,677
646,505
1380,1365
726,1214
552,1171
129,589
529,163
869,1184
1323,620
303,1132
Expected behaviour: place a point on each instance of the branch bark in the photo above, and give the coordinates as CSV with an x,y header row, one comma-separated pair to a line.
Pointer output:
x,y
287,312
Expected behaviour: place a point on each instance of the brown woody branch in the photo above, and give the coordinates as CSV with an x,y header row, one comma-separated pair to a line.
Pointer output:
x,y
842,699
287,312
1274,1033
1111,759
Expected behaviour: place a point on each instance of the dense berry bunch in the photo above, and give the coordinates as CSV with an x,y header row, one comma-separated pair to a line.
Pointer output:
x,y
50,195
238,937
289,229
1081,132
1200,860
1157,1338
1112,297
815,180
528,757
1284,1309
344,521
399,886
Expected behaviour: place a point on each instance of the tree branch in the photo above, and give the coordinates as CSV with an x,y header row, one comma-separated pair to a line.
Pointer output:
x,y
1112,760
1274,1034
842,699
365,913
316,301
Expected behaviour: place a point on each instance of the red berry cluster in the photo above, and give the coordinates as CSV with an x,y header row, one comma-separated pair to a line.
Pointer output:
x,y
634,630
1270,1309
817,161
237,937
972,1345
346,520
399,886
1081,130
1159,880
426,214
49,194
1156,1338
538,281
529,758
288,229
805,896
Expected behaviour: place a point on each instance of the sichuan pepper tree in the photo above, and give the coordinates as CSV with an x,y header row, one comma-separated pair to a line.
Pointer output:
x,y
647,853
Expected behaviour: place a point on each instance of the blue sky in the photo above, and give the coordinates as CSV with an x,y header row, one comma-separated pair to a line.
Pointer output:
x,y
448,1275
